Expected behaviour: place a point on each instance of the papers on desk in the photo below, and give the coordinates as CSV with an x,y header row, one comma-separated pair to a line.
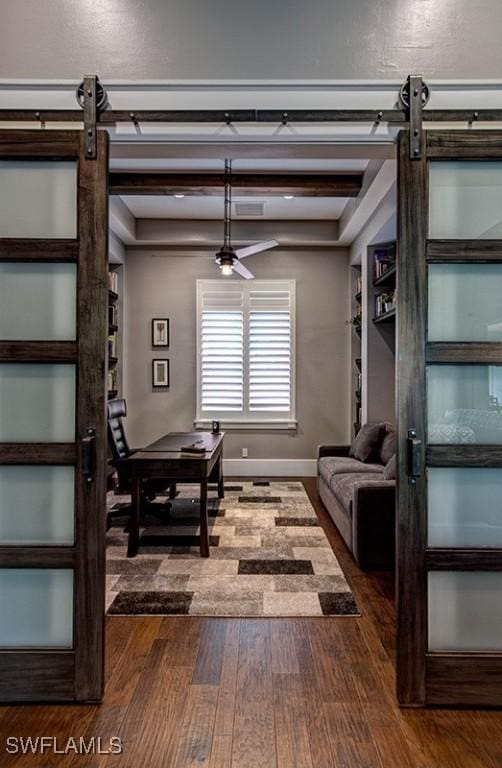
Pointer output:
x,y
194,449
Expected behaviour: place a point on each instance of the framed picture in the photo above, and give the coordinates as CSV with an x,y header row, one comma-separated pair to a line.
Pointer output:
x,y
160,332
160,373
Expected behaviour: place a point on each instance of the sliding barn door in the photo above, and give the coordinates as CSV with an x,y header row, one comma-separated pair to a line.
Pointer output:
x,y
53,289
450,420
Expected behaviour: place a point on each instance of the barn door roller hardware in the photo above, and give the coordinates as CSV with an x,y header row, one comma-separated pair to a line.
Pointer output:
x,y
93,99
408,112
414,95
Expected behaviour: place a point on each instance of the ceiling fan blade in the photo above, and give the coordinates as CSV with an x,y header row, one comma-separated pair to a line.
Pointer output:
x,y
241,253
242,270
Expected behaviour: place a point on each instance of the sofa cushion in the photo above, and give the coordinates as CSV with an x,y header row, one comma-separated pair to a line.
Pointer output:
x,y
344,486
389,471
388,445
366,443
340,465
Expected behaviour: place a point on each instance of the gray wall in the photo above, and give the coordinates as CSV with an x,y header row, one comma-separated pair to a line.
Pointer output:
x,y
162,285
337,39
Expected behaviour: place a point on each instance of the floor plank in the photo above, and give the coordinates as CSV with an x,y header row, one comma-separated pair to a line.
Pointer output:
x,y
254,728
291,724
221,752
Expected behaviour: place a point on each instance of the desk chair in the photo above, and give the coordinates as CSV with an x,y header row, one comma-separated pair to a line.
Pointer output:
x,y
120,450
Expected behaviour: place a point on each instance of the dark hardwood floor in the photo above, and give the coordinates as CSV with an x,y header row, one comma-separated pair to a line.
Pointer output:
x,y
273,693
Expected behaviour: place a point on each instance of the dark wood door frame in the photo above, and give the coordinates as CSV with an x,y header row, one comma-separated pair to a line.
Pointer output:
x,y
75,674
410,391
423,677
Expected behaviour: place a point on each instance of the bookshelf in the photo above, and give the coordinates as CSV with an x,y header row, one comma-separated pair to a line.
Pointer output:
x,y
356,323
384,281
114,384
379,323
113,331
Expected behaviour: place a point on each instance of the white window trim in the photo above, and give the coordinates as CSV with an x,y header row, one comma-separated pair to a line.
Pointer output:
x,y
249,422
246,424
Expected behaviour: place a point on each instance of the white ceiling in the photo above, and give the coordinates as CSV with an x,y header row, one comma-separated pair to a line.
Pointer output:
x,y
138,219
205,207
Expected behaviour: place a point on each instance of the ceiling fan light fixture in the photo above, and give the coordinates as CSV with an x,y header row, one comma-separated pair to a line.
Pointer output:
x,y
225,260
288,197
179,196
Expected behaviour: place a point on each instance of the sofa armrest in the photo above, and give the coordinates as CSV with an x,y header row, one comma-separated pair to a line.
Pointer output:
x,y
332,450
373,525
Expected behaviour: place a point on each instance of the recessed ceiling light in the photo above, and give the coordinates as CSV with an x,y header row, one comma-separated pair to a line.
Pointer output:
x,y
179,197
288,197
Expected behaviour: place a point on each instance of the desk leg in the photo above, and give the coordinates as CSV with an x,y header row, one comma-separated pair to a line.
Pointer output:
x,y
204,528
133,545
221,484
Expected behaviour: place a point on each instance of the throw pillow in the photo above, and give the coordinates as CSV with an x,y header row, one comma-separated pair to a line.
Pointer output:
x,y
388,447
366,442
389,471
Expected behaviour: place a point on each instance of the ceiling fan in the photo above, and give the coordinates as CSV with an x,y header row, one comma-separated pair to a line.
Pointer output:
x,y
227,258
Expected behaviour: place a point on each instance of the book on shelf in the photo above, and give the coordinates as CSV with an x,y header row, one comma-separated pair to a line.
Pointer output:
x,y
384,302
112,345
112,379
112,314
383,260
113,281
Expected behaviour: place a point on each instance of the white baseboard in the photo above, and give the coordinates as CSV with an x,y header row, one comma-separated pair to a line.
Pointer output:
x,y
270,467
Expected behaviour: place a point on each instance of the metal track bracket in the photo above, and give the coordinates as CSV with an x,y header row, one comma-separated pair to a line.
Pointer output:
x,y
414,95
92,98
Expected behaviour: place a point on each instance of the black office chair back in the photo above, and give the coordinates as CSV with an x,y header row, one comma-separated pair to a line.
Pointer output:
x,y
117,440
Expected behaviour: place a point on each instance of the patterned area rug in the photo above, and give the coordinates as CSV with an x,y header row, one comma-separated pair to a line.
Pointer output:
x,y
269,556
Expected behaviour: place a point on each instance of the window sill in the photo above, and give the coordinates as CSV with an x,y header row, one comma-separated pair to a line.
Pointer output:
x,y
268,424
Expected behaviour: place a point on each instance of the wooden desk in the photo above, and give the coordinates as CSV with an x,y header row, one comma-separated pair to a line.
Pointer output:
x,y
163,459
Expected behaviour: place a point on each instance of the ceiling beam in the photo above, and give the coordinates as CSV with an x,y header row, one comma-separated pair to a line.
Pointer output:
x,y
244,184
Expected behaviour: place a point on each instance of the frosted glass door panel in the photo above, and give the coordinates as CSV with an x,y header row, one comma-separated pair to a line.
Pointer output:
x,y
38,199
36,606
465,302
465,611
37,403
465,199
37,505
464,507
38,302
464,404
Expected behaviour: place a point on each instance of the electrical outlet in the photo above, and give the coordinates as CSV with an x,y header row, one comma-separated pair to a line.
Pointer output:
x,y
244,453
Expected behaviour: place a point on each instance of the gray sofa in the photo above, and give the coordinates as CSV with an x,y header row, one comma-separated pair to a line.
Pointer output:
x,y
360,501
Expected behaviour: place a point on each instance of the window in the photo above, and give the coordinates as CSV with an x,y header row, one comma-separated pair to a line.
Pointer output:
x,y
245,353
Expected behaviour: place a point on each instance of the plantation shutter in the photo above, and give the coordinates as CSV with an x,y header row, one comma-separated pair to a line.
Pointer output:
x,y
246,352
269,351
222,350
